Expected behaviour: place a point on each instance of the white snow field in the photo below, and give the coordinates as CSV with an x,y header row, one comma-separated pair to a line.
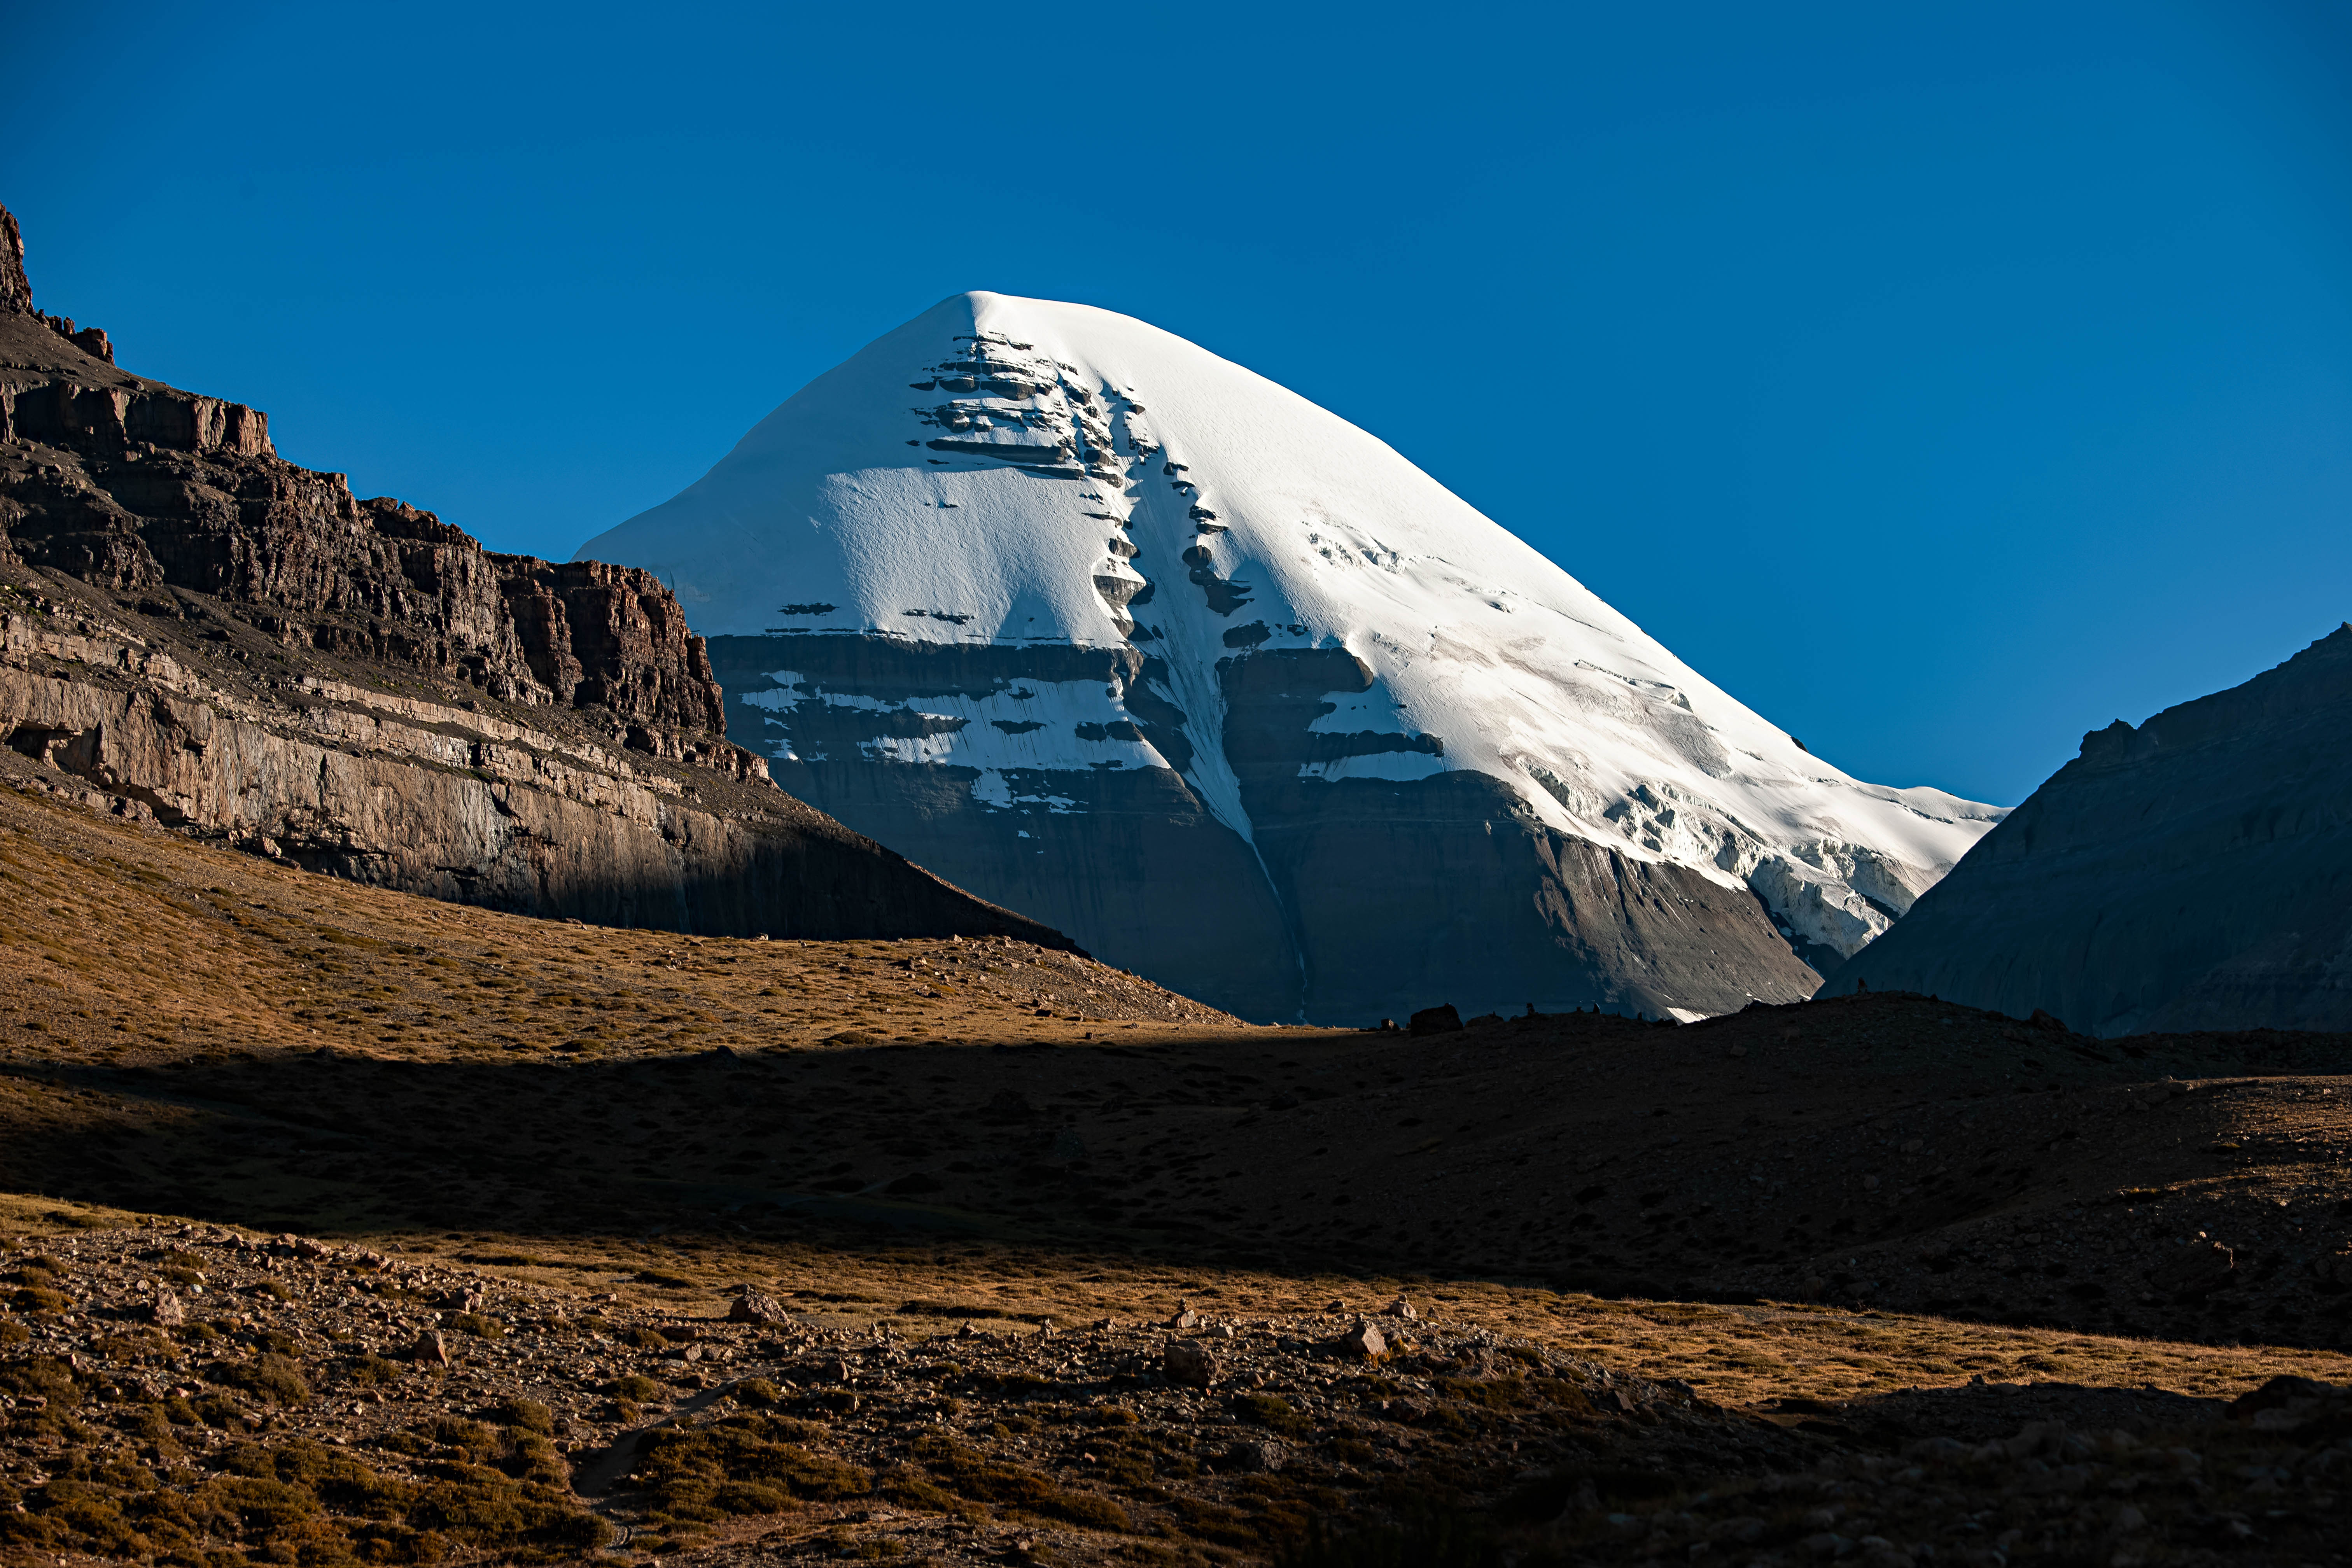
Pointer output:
x,y
1006,474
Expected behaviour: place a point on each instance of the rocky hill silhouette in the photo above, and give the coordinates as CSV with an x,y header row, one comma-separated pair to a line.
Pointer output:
x,y
2194,873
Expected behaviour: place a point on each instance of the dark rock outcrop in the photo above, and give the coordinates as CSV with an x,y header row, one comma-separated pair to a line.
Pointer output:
x,y
1137,863
15,288
1312,918
2194,873
197,632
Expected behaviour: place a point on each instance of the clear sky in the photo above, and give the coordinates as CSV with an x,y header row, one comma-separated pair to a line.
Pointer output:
x,y
1942,380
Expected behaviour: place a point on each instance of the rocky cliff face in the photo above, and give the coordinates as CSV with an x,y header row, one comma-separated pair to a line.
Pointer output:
x,y
2195,873
199,634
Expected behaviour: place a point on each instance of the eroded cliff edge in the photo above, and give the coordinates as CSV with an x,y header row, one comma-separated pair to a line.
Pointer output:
x,y
195,632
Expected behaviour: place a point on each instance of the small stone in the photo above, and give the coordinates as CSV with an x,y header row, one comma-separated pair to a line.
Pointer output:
x,y
1400,1307
1188,1363
167,1309
1363,1342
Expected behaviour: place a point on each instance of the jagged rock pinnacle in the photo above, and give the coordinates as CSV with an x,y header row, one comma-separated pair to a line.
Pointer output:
x,y
15,288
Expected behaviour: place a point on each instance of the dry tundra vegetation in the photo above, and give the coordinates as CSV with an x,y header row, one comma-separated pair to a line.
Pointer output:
x,y
348,1226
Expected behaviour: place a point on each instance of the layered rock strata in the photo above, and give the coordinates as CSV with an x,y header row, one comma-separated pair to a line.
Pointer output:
x,y
1313,916
200,633
2193,873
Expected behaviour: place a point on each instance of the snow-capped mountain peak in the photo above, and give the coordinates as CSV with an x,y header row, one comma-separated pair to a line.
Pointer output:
x,y
1016,544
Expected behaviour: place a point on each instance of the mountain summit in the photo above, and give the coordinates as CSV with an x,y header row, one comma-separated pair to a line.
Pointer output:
x,y
1120,633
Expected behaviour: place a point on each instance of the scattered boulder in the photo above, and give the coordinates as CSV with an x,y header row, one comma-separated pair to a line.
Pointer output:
x,y
1188,1363
1362,1343
1440,1019
167,1311
752,1307
1400,1307
1256,1455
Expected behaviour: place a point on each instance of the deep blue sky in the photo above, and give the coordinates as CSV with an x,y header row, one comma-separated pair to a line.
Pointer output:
x,y
1942,380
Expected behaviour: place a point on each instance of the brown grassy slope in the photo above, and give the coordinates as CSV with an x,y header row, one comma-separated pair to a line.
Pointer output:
x,y
127,946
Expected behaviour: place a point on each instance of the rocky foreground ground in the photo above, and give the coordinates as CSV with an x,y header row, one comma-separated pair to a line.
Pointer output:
x,y
197,1394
